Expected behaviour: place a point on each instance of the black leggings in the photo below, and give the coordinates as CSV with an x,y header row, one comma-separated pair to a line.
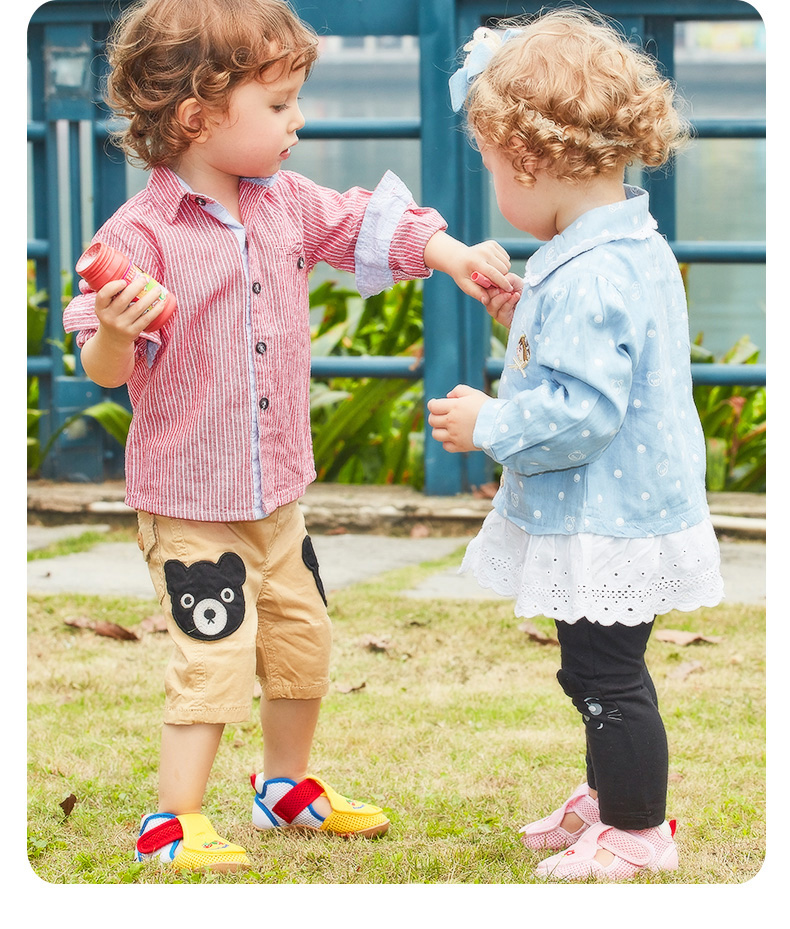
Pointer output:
x,y
603,671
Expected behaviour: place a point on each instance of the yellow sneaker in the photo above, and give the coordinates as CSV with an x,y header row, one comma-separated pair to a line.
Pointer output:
x,y
187,841
281,803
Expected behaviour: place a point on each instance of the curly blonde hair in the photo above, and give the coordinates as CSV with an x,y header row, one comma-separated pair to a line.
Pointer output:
x,y
162,52
572,93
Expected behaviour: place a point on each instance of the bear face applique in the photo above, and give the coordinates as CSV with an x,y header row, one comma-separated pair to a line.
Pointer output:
x,y
207,599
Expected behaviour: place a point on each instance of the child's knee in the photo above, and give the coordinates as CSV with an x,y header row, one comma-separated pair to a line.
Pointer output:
x,y
594,706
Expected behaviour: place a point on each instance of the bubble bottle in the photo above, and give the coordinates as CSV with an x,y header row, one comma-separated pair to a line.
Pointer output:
x,y
101,263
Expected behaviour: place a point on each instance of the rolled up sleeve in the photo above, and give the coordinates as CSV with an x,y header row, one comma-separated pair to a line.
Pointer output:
x,y
392,238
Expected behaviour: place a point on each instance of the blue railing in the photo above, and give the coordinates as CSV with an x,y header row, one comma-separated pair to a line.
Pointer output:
x,y
456,332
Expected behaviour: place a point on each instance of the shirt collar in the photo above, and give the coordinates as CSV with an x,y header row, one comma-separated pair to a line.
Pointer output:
x,y
170,191
626,219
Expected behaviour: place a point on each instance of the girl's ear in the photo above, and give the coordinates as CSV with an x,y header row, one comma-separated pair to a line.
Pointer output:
x,y
191,116
527,160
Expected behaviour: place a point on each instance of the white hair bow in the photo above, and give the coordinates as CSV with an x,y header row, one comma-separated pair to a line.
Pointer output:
x,y
481,48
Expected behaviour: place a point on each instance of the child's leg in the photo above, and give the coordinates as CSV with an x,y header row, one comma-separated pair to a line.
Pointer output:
x,y
571,822
288,727
604,673
179,834
286,796
185,764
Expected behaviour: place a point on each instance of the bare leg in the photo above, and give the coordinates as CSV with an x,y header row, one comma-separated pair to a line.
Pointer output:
x,y
185,764
288,727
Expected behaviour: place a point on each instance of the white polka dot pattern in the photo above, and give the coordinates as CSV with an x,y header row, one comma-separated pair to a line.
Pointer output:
x,y
599,432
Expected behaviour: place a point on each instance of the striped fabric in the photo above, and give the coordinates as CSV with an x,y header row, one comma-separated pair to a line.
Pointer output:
x,y
220,395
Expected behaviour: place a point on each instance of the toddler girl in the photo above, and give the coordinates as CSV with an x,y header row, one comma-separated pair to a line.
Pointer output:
x,y
601,520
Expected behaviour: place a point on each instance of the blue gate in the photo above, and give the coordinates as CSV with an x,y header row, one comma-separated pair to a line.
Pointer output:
x,y
65,43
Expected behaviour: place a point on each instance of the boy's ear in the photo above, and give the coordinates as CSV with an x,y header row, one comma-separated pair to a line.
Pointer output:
x,y
191,116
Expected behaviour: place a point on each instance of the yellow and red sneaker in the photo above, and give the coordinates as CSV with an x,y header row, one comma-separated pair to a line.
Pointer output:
x,y
281,803
187,841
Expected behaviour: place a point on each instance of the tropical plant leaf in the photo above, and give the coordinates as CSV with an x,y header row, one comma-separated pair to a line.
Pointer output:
x,y
112,417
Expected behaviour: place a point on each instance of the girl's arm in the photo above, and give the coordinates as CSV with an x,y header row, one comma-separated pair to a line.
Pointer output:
x,y
586,360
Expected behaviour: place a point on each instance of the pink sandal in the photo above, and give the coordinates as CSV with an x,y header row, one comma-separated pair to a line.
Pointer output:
x,y
549,833
636,850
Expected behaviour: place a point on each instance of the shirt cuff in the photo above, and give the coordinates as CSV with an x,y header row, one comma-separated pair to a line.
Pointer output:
x,y
387,204
483,433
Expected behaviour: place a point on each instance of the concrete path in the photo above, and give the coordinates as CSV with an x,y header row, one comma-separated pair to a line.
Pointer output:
x,y
117,568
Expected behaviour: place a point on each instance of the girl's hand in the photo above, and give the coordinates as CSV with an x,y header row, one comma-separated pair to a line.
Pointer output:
x,y
500,303
121,316
453,419
461,262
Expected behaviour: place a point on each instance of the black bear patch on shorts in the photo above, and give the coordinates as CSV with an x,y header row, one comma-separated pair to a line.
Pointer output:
x,y
206,598
311,560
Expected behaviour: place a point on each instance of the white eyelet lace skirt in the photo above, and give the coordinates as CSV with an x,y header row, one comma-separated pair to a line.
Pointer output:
x,y
605,579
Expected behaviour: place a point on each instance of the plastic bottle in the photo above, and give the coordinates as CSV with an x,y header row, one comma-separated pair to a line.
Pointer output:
x,y
101,263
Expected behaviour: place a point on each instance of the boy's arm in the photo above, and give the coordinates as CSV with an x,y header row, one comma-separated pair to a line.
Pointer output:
x,y
464,262
108,356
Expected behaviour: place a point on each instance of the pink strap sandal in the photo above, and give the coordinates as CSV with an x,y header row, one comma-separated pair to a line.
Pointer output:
x,y
636,850
549,833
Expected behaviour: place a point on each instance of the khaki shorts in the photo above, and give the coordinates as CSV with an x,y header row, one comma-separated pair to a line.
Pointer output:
x,y
240,599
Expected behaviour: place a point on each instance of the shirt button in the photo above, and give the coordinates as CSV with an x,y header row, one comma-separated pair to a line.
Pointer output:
x,y
263,403
200,201
300,263
256,288
260,347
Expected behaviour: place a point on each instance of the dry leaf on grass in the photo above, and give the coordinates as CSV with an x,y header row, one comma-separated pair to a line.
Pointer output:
x,y
154,623
376,643
350,688
681,672
102,627
680,637
536,635
67,805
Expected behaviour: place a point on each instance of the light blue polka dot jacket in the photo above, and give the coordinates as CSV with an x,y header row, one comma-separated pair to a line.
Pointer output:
x,y
594,422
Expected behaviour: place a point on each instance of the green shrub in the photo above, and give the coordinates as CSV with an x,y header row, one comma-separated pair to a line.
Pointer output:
x,y
371,430
734,423
112,417
367,430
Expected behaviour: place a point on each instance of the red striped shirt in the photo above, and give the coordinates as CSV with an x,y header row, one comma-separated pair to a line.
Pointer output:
x,y
220,395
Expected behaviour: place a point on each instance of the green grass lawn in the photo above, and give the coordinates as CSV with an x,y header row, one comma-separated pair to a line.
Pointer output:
x,y
453,723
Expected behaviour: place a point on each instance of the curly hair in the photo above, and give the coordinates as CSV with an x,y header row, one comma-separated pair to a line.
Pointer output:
x,y
162,52
572,93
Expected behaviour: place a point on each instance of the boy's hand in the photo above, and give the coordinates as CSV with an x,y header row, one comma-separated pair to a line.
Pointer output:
x,y
108,356
453,418
119,315
461,262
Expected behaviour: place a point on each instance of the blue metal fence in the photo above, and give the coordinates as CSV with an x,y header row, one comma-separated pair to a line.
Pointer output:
x,y
65,43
